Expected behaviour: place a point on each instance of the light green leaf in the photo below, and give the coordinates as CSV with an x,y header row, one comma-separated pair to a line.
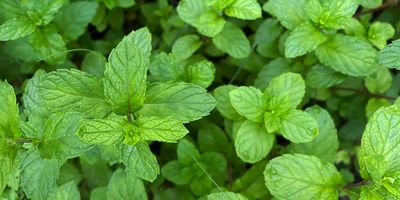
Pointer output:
x,y
16,28
349,55
380,139
187,152
253,142
248,102
125,78
177,173
219,4
142,39
124,185
67,191
379,82
271,70
210,23
160,129
102,131
296,176
371,3
331,14
233,41
11,9
244,9
354,27
94,63
224,106
289,87
186,46
225,196
320,76
7,155
58,139
42,11
379,33
181,101
72,20
390,56
165,67
33,102
140,161
325,145
110,4
38,176
49,45
298,126
9,114
374,104
201,73
303,39
290,13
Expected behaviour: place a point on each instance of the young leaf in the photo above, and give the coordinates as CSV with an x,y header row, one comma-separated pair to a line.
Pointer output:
x,y
349,55
390,56
42,11
233,41
67,191
201,73
291,13
379,33
125,78
253,142
225,196
181,101
160,129
303,39
186,46
102,131
9,114
296,176
244,9
124,185
298,126
224,106
16,28
248,102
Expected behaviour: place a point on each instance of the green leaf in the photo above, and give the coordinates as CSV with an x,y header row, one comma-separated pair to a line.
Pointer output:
x,y
187,152
9,114
72,20
11,9
125,78
58,139
15,28
296,176
349,55
201,73
94,63
320,76
225,196
331,14
390,56
67,191
371,3
186,46
38,176
219,4
160,129
380,139
244,9
271,70
216,165
298,126
253,142
224,106
141,161
290,87
7,155
42,11
212,139
374,104
248,102
266,38
303,39
49,45
124,185
165,67
325,145
142,39
290,13
181,101
111,4
102,131
233,41
177,173
379,82
379,33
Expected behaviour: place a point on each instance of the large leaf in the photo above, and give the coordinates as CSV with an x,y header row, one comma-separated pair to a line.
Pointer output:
x,y
291,13
9,114
16,28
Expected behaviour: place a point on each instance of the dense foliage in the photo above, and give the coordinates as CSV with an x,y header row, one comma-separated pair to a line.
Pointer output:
x,y
199,99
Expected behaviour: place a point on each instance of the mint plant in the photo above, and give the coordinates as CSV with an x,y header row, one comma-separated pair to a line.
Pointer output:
x,y
213,99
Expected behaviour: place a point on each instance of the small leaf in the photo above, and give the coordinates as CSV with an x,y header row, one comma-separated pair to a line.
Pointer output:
x,y
177,173
201,73
160,129
9,114
224,106
298,126
379,33
187,152
186,46
244,9
233,41
290,13
248,102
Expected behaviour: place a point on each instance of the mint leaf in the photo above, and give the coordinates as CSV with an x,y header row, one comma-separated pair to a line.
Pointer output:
x,y
111,4
187,152
290,13
266,38
349,55
271,70
253,142
298,126
390,56
72,20
102,131
244,9
160,129
201,73
371,3
9,114
233,41
141,38
181,101
177,173
125,78
219,4
374,104
379,82
42,11
67,191
296,176
248,102
7,155
124,185
325,145
11,9
379,33
16,28
165,67
94,63
224,106
186,46
225,196
320,76
33,102
48,44
303,39
212,138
